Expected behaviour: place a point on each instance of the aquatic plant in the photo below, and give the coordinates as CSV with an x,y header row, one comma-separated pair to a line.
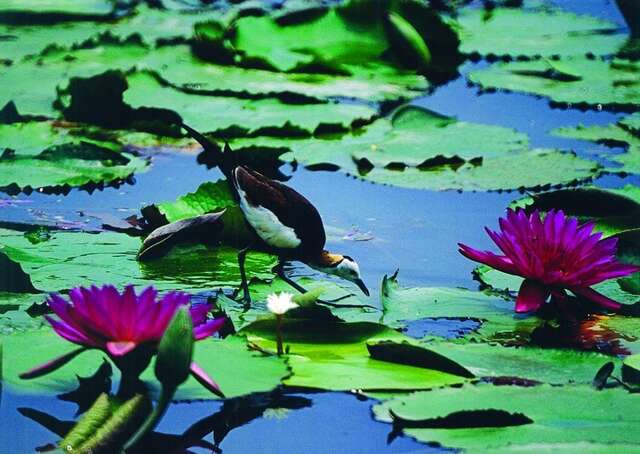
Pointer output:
x,y
553,254
280,305
126,326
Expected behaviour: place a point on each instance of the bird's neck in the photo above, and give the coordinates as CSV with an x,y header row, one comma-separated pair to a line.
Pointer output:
x,y
327,260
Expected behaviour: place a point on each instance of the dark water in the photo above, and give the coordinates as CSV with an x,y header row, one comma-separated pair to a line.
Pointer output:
x,y
415,231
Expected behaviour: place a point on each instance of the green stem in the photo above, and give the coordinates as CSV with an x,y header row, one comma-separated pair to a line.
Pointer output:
x,y
279,334
152,421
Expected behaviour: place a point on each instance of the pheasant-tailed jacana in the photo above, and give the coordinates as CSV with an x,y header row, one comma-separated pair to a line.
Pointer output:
x,y
282,221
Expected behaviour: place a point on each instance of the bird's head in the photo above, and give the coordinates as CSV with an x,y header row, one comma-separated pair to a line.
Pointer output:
x,y
342,266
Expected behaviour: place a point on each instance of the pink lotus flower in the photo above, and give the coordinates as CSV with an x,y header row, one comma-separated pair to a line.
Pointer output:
x,y
123,325
552,255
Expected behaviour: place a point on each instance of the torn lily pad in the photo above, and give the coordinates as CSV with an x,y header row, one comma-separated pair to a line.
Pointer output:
x,y
487,417
516,32
70,259
57,8
39,155
614,84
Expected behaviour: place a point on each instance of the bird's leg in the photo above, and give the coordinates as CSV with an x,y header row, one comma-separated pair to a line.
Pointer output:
x,y
242,255
282,275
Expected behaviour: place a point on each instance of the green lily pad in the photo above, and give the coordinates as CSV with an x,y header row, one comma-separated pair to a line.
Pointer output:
x,y
499,322
347,39
535,169
421,149
70,259
548,365
42,155
613,135
13,312
631,369
613,210
233,116
631,123
535,33
58,7
54,70
569,414
251,371
178,67
334,356
613,84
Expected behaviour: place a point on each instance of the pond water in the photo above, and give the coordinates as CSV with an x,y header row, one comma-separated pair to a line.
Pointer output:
x,y
411,230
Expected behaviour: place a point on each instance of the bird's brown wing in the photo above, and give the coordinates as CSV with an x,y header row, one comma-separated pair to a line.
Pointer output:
x,y
291,208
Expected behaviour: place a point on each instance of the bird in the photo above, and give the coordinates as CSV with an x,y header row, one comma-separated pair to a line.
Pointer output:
x,y
281,220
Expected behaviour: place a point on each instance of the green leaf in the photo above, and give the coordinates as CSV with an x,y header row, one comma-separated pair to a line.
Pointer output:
x,y
407,43
421,149
229,117
612,84
14,312
44,155
61,7
178,67
334,356
70,259
620,134
548,365
499,322
532,33
614,210
569,414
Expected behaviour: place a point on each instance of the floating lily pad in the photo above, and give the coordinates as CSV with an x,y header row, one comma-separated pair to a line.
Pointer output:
x,y
178,67
41,155
70,259
620,134
421,149
466,418
14,315
251,371
535,169
499,322
233,116
613,210
57,7
614,84
631,123
548,365
535,33
348,39
333,355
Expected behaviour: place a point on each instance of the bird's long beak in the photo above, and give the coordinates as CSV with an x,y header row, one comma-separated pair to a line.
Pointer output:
x,y
361,286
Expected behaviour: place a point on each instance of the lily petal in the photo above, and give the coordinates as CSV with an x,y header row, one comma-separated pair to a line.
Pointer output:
x,y
205,380
52,365
531,296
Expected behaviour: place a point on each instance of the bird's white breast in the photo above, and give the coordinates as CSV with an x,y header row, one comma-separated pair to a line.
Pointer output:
x,y
267,225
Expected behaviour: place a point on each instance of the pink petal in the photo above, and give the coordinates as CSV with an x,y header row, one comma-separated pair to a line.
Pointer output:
x,y
205,380
488,258
52,365
531,296
207,329
69,333
120,348
596,297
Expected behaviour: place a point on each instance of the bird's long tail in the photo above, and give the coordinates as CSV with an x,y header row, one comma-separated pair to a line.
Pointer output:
x,y
222,157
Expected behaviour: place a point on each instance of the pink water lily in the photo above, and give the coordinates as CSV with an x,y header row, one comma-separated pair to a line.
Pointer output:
x,y
553,254
123,325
